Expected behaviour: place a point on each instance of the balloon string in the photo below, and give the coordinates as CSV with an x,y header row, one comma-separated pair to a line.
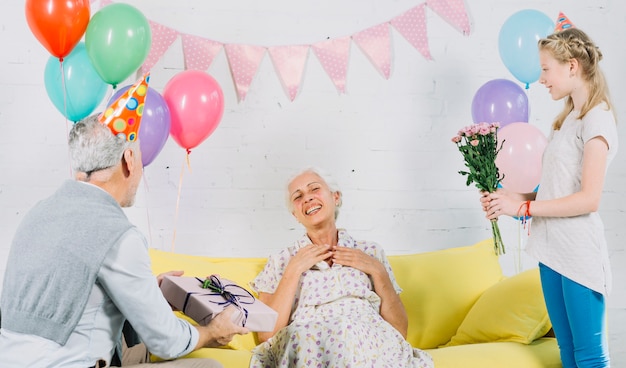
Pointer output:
x,y
64,88
180,186
527,90
188,163
109,95
518,265
67,123
521,242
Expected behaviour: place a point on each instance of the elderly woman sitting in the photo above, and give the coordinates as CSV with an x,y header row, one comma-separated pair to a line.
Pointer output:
x,y
336,297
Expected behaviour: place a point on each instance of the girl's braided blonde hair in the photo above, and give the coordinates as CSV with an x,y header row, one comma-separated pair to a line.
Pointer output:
x,y
573,43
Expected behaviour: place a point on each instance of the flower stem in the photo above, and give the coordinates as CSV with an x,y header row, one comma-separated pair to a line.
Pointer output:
x,y
498,244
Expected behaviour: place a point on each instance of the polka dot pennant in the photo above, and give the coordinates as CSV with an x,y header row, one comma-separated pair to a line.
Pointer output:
x,y
412,26
244,62
563,23
375,42
123,116
333,55
289,62
199,52
162,39
453,12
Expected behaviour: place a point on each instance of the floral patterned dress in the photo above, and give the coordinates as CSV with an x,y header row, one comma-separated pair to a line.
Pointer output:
x,y
335,320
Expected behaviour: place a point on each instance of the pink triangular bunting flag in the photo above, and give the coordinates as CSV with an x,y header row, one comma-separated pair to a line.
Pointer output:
x,y
199,52
333,55
453,12
289,62
376,44
244,61
162,39
412,26
104,3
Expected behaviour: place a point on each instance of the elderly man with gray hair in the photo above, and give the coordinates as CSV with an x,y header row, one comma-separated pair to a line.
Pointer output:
x,y
78,269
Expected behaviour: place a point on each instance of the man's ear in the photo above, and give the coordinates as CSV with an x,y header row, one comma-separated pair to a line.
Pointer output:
x,y
128,162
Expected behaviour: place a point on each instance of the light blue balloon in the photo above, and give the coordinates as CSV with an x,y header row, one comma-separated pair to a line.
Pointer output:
x,y
517,43
82,90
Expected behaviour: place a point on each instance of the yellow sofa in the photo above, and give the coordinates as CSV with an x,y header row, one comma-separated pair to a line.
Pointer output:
x,y
461,309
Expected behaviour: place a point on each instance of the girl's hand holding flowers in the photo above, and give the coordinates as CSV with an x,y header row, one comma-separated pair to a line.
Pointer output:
x,y
498,203
478,145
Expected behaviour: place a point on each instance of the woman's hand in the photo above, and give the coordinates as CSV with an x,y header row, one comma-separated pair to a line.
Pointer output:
x,y
358,259
161,276
308,256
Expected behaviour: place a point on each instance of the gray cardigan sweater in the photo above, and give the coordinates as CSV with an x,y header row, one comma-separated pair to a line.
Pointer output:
x,y
54,260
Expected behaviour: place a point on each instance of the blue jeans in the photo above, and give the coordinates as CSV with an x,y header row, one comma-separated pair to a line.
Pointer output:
x,y
578,318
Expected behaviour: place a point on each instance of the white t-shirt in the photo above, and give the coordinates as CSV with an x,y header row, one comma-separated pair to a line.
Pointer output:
x,y
573,246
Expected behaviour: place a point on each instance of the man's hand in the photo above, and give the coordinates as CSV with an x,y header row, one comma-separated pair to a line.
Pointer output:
x,y
221,330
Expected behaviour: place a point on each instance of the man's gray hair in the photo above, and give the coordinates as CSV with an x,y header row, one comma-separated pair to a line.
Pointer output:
x,y
93,147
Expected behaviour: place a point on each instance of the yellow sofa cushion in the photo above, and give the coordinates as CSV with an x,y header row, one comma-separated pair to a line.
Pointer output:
x,y
440,287
511,310
541,353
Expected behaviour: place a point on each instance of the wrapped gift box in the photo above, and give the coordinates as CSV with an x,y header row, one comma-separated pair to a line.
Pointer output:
x,y
202,304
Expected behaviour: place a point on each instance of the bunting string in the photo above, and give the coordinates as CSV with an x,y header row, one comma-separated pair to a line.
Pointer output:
x,y
289,61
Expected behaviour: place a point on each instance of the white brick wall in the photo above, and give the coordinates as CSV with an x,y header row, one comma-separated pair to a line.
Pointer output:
x,y
386,141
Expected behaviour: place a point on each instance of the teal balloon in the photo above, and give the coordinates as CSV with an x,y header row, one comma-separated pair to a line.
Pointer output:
x,y
517,43
79,89
118,39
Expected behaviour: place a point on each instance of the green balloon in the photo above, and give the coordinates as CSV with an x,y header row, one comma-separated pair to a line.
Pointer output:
x,y
118,39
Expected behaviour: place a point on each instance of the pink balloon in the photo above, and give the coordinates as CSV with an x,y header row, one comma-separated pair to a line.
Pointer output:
x,y
520,157
196,104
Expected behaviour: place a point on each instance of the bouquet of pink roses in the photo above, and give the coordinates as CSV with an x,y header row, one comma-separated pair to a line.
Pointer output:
x,y
479,146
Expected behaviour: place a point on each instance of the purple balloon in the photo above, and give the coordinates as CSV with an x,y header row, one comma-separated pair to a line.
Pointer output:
x,y
155,124
502,101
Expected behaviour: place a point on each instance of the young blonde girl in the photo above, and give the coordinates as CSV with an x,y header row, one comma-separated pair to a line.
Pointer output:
x,y
567,235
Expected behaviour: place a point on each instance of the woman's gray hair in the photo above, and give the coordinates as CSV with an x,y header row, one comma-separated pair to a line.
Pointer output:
x,y
93,147
328,179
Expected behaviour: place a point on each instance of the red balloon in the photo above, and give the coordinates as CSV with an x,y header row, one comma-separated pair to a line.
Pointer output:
x,y
196,104
58,24
520,157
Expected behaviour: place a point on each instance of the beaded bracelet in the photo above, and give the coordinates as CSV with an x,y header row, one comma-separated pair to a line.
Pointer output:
x,y
526,215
